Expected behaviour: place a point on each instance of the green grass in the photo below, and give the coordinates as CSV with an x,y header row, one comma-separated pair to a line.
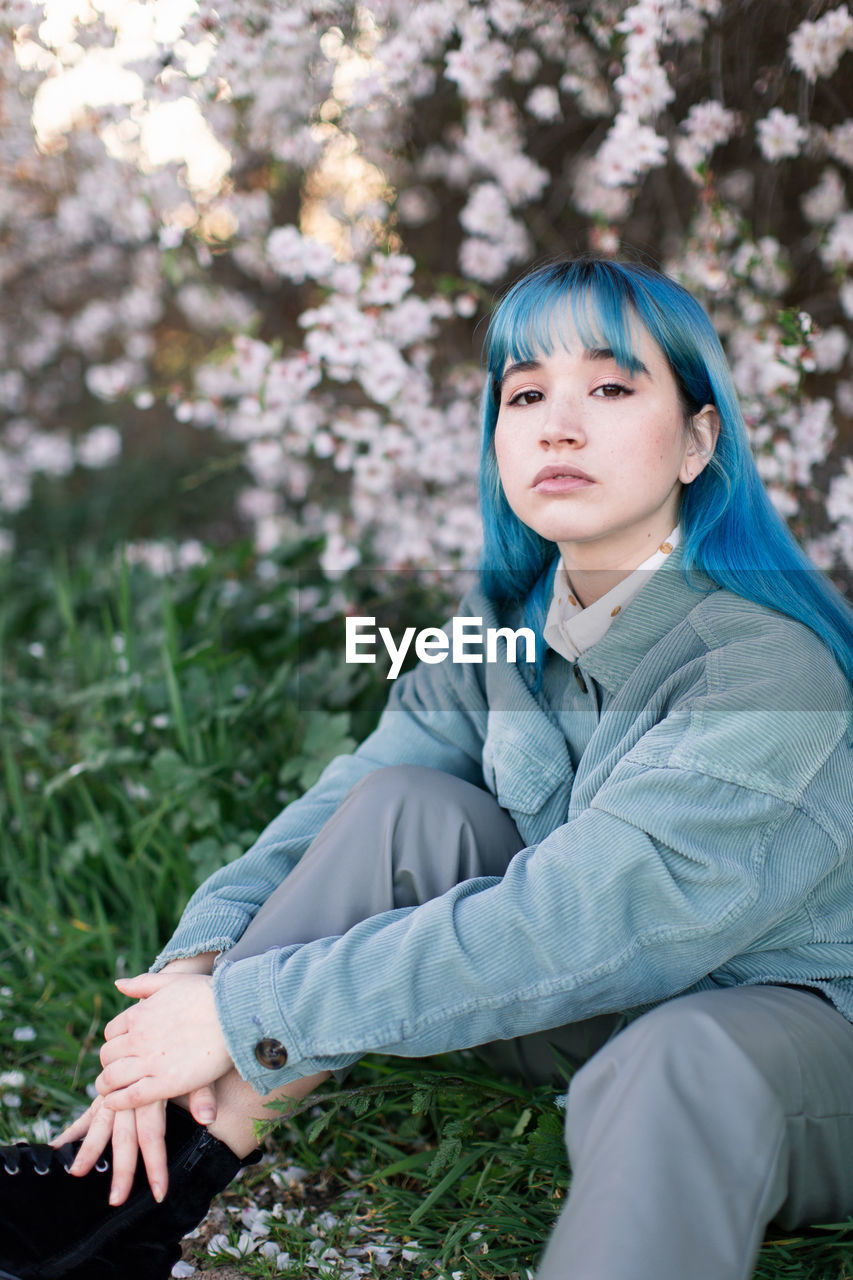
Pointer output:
x,y
148,730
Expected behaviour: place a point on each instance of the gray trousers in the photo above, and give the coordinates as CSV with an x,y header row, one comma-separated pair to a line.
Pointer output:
x,y
688,1131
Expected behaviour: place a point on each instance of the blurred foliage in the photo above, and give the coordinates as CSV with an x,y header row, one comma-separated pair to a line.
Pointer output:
x,y
149,729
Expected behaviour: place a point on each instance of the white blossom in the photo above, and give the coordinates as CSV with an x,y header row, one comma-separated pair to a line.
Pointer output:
x,y
109,381
543,102
525,65
780,135
99,447
590,195
829,349
296,256
416,205
826,200
390,280
475,68
339,554
487,211
644,89
482,259
822,550
628,151
839,507
709,124
763,264
329,357
839,143
685,24
508,16
846,297
816,48
837,250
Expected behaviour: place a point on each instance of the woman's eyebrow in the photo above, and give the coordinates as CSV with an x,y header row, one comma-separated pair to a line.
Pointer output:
x,y
605,353
590,353
518,366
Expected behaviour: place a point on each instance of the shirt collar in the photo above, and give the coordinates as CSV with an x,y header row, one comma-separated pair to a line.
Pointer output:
x,y
570,629
665,601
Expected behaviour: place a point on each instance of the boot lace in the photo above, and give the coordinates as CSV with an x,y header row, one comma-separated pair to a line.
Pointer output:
x,y
42,1158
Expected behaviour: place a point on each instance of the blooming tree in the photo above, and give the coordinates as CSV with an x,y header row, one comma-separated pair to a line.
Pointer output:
x,y
284,221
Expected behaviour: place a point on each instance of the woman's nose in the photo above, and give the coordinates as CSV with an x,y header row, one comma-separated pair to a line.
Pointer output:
x,y
562,424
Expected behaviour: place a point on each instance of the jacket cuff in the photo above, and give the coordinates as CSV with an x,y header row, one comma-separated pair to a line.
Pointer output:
x,y
208,929
249,1014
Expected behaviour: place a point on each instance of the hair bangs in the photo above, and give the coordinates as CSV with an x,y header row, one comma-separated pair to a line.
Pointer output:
x,y
556,307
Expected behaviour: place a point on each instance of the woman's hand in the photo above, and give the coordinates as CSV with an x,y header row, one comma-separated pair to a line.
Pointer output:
x,y
141,1132
133,1133
168,1044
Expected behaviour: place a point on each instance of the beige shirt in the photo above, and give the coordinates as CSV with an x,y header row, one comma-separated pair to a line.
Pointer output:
x,y
570,628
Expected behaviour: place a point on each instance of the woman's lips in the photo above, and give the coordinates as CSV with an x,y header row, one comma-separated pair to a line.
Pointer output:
x,y
555,479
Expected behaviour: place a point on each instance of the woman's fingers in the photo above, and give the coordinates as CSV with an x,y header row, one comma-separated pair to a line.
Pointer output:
x,y
139,988
125,1155
151,1135
119,1074
79,1127
144,984
139,1094
131,1133
97,1136
202,1104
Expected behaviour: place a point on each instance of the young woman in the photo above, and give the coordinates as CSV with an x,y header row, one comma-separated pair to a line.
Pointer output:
x,y
636,849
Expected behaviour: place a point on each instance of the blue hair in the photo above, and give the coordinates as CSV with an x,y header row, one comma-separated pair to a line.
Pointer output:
x,y
731,530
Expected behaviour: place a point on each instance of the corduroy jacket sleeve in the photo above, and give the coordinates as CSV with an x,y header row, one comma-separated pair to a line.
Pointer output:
x,y
710,839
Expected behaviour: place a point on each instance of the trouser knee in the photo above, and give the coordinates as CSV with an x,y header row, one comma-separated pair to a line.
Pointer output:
x,y
401,836
679,1153
676,1065
437,829
383,792
413,787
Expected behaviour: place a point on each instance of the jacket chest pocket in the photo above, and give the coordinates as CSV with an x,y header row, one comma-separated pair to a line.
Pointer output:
x,y
522,775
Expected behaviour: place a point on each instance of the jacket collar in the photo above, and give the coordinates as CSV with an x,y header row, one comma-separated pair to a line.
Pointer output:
x,y
664,602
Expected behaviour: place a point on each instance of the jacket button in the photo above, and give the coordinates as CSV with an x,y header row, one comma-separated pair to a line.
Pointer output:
x,y
271,1054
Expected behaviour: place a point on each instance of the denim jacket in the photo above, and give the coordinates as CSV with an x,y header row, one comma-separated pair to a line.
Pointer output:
x,y
702,838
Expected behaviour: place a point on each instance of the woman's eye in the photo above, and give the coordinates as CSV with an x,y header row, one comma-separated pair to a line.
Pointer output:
x,y
525,397
612,390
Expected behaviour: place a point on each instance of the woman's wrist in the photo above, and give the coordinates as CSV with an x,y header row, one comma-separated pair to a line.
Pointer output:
x,y
201,963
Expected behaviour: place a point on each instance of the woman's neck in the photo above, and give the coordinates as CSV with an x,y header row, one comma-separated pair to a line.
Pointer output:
x,y
589,583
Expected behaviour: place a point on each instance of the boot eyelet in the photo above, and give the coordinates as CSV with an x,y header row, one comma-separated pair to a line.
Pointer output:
x,y
41,1171
102,1166
13,1172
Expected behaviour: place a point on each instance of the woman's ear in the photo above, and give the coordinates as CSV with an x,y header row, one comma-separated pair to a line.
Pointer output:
x,y
703,430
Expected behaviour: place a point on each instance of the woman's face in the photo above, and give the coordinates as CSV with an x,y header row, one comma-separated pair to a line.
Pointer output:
x,y
594,458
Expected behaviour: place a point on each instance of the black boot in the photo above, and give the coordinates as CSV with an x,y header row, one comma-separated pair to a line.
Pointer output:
x,y
53,1225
